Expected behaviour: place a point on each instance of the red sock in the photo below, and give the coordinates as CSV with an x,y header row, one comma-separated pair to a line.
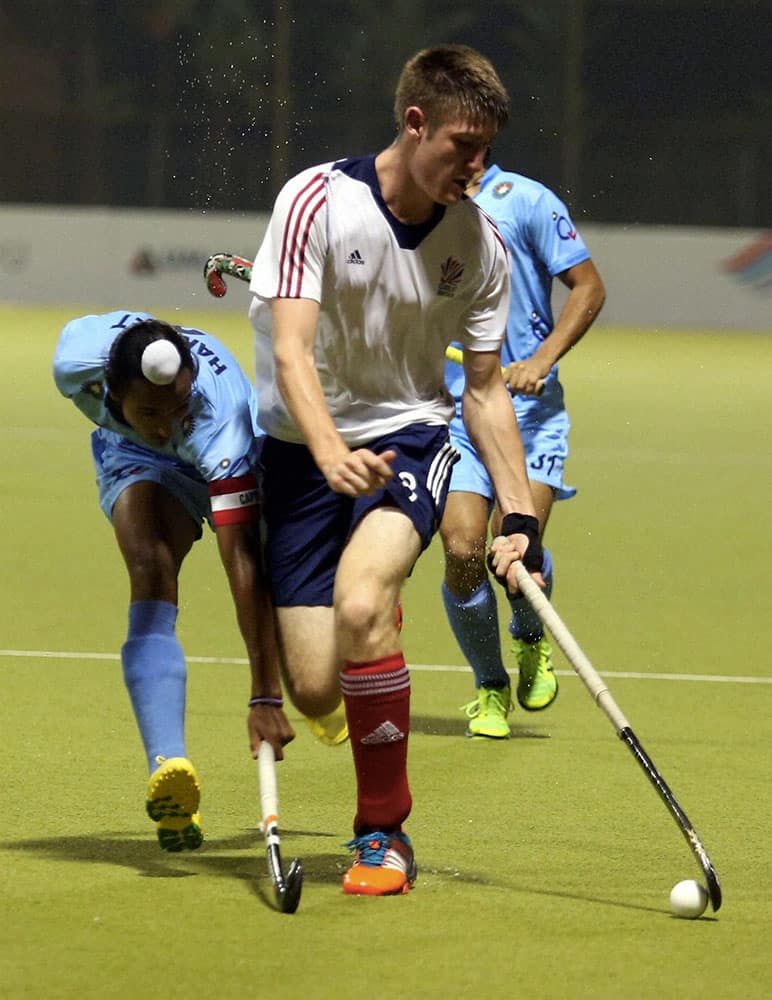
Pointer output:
x,y
377,697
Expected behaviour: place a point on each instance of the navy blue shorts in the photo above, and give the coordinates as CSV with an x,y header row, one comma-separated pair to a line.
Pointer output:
x,y
308,524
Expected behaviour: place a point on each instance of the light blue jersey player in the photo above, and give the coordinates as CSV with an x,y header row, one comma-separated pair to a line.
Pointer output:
x,y
543,244
216,439
175,445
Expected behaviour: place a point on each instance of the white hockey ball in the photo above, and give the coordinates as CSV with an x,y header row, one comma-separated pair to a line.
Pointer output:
x,y
688,899
161,362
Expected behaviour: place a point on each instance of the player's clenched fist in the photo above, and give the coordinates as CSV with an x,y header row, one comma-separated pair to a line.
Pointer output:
x,y
361,472
524,378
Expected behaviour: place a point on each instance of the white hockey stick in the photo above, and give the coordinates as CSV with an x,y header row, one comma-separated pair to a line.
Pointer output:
x,y
602,697
287,888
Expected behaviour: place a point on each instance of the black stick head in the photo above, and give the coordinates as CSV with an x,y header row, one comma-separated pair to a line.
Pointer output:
x,y
288,895
714,886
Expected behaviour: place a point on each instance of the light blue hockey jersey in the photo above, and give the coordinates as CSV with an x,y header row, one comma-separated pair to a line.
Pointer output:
x,y
542,242
218,435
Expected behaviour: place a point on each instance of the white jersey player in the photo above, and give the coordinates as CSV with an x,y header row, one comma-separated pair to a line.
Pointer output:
x,y
369,268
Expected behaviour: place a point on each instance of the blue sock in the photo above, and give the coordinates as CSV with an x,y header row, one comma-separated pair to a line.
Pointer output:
x,y
525,623
155,674
475,624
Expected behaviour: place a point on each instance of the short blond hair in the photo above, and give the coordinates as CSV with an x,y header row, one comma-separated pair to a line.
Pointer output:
x,y
448,82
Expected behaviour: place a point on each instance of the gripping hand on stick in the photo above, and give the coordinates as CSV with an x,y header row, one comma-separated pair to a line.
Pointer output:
x,y
518,541
524,378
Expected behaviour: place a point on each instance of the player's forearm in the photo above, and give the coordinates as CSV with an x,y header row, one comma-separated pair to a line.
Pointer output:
x,y
295,324
302,393
585,300
576,318
493,430
238,544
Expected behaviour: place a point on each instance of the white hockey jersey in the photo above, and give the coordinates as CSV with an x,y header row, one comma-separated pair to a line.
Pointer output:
x,y
392,297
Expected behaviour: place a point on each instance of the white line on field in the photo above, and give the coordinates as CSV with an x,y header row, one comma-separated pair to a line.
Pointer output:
x,y
624,674
425,667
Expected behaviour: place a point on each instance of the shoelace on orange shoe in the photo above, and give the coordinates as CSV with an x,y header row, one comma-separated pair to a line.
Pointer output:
x,y
370,849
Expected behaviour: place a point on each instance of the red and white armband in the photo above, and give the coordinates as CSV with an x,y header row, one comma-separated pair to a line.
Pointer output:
x,y
233,501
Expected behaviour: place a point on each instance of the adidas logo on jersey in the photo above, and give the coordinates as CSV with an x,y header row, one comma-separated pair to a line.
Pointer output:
x,y
387,732
355,257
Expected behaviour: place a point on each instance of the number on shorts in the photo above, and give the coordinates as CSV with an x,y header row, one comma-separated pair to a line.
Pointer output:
x,y
408,481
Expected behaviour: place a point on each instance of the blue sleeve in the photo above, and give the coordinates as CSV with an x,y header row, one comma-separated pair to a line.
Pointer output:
x,y
553,235
81,355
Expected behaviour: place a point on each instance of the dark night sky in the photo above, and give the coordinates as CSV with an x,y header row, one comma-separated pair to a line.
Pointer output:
x,y
122,105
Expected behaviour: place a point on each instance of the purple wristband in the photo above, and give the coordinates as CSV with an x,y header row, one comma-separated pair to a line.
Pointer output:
x,y
274,702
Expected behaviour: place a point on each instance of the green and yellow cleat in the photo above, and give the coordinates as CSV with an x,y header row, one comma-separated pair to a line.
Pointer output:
x,y
488,713
537,686
332,729
173,795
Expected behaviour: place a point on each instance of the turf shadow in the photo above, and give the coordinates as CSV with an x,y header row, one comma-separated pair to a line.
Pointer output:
x,y
603,900
140,853
432,725
250,868
144,856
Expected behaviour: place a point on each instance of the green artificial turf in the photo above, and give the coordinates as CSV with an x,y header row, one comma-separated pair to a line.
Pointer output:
x,y
545,861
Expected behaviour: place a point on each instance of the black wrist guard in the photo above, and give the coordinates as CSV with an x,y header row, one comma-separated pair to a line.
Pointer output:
x,y
526,524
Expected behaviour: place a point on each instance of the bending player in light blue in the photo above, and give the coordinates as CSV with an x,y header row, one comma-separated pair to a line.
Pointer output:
x,y
543,244
175,446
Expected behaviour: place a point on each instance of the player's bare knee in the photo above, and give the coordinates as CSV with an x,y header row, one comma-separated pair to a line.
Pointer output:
x,y
357,613
152,573
462,548
465,572
313,695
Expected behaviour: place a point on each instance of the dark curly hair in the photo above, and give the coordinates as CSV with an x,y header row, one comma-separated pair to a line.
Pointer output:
x,y
124,363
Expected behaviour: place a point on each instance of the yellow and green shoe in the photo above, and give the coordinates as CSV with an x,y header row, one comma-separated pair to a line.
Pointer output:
x,y
173,795
537,686
488,713
332,729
